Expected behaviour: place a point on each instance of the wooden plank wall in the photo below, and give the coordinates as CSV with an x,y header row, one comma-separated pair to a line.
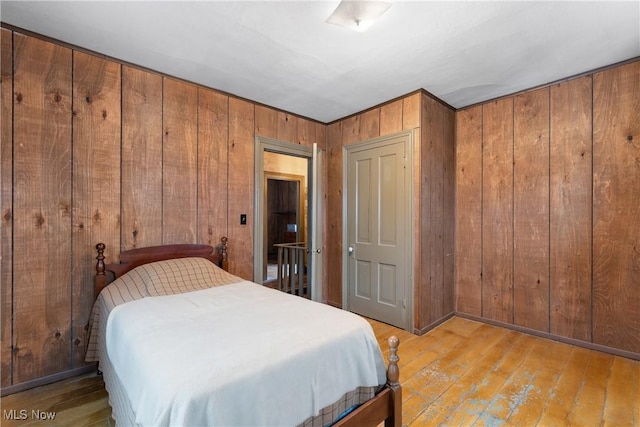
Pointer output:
x,y
616,207
525,172
179,161
437,168
213,134
6,203
141,169
570,204
497,211
240,186
42,208
432,124
97,151
531,210
96,179
468,237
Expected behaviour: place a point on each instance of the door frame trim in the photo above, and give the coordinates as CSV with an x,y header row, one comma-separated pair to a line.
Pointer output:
x,y
409,241
262,144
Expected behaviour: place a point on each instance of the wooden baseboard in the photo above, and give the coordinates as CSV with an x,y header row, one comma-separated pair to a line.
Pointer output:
x,y
432,325
15,388
566,340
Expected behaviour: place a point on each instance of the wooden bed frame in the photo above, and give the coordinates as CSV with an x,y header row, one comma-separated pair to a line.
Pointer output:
x,y
107,273
385,406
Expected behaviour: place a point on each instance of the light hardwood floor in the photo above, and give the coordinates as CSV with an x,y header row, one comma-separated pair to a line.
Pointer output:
x,y
462,373
465,373
74,402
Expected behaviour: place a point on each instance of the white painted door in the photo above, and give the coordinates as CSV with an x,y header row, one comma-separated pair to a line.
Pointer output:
x,y
378,230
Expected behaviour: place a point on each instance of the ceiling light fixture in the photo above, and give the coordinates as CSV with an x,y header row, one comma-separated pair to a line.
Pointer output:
x,y
358,15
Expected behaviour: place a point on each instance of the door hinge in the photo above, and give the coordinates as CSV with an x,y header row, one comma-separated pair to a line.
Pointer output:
x,y
404,303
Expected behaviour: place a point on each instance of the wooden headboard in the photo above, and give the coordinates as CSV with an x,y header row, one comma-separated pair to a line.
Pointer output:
x,y
107,273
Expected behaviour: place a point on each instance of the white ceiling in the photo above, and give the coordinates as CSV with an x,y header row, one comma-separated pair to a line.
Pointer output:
x,y
283,53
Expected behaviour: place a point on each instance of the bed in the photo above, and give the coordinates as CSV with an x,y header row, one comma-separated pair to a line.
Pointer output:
x,y
181,341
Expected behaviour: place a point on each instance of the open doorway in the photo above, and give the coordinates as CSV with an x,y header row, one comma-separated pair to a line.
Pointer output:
x,y
284,231
285,201
283,214
287,163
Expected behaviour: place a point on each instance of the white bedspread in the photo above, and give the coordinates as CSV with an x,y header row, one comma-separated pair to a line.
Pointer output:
x,y
238,354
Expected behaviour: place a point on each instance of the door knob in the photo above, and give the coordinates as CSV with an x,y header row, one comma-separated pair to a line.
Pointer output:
x,y
350,249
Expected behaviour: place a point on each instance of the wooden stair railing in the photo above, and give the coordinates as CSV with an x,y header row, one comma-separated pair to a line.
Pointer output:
x,y
291,267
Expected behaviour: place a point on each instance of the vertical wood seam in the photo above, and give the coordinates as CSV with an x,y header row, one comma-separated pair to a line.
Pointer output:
x,y
72,213
513,216
592,204
13,203
482,210
549,190
442,233
433,279
196,232
231,264
162,141
443,207
122,230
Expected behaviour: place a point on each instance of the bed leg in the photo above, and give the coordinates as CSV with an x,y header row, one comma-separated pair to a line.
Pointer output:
x,y
393,382
387,404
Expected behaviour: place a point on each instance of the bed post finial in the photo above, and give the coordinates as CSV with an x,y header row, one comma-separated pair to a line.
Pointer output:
x,y
393,382
223,249
100,268
393,371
